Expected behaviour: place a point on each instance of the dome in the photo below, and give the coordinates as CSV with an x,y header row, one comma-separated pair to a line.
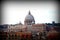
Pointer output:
x,y
29,17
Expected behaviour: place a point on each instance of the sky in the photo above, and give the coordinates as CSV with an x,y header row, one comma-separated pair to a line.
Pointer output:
x,y
43,12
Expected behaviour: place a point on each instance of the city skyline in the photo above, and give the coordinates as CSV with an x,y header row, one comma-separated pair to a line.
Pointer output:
x,y
43,12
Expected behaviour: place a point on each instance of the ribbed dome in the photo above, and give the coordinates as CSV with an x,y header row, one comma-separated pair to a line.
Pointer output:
x,y
29,17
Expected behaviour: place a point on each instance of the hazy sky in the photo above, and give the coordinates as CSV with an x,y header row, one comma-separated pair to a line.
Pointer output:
x,y
43,12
